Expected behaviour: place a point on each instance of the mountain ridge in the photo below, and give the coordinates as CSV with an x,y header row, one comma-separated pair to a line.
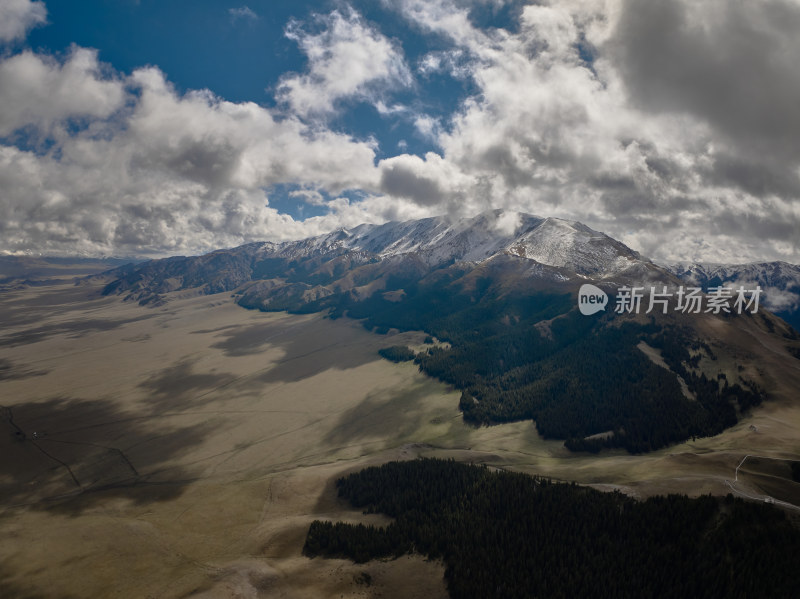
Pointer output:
x,y
574,249
779,280
519,348
438,240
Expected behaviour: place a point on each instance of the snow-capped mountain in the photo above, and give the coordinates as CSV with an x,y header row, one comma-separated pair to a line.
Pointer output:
x,y
364,258
526,246
780,282
436,241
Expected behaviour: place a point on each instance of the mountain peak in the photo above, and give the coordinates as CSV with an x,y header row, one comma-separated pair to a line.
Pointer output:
x,y
438,240
554,248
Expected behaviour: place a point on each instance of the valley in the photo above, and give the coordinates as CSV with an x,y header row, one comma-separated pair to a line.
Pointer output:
x,y
202,439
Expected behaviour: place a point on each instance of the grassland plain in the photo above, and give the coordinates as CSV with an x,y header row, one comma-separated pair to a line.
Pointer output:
x,y
184,450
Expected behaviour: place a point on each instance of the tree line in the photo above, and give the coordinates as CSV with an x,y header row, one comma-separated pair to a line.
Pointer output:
x,y
503,534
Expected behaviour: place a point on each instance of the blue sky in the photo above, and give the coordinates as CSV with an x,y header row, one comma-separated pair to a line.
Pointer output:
x,y
240,52
153,128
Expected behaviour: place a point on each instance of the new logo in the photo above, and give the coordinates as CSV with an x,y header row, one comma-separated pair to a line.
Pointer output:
x,y
591,299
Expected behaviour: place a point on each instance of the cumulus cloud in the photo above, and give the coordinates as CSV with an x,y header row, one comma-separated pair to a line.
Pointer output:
x,y
671,125
427,126
167,173
430,182
651,121
730,63
347,59
40,91
17,17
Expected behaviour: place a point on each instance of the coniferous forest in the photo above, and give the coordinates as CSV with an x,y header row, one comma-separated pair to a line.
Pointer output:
x,y
397,353
581,377
503,534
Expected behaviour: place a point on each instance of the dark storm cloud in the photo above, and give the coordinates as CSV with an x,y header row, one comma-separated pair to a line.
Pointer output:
x,y
400,180
755,176
732,64
731,67
209,161
769,226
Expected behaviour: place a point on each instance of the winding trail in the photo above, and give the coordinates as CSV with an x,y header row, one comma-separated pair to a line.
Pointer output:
x,y
764,498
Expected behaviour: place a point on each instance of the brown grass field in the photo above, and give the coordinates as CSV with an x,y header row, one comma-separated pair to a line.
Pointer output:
x,y
184,450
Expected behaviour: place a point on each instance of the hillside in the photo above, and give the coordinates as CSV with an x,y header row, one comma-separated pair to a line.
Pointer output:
x,y
501,289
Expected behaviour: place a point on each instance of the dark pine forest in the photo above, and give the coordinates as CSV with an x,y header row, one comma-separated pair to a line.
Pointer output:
x,y
510,535
576,376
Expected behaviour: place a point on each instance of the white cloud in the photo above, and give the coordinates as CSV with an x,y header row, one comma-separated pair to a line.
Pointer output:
x,y
453,62
428,126
244,13
40,91
387,110
443,17
17,17
311,197
348,58
167,173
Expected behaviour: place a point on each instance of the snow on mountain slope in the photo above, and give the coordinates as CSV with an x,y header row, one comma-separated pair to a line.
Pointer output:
x,y
576,247
436,241
557,250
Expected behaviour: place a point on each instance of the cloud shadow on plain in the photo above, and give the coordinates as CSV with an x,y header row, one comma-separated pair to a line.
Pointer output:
x,y
68,454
